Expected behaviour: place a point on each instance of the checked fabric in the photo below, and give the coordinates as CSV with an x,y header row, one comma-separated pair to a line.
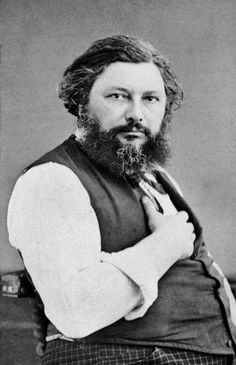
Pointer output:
x,y
60,352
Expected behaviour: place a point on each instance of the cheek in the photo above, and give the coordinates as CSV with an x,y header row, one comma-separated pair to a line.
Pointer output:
x,y
155,120
108,116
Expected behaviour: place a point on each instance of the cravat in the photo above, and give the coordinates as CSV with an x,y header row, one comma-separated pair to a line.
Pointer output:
x,y
146,185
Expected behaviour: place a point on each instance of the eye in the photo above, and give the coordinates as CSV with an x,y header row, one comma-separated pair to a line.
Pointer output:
x,y
118,96
151,99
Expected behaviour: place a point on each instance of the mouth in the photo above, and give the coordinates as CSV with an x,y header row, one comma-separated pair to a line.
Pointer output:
x,y
135,132
132,135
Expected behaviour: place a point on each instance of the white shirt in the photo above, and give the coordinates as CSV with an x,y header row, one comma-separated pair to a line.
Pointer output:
x,y
52,223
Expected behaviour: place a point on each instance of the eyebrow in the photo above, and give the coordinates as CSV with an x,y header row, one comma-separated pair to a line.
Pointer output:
x,y
117,88
148,92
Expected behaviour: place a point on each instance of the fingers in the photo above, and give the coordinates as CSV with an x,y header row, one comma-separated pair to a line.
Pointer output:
x,y
184,215
149,207
193,237
41,341
146,201
190,227
40,349
176,223
40,335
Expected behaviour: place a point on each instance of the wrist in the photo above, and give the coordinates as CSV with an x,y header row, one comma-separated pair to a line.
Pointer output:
x,y
162,251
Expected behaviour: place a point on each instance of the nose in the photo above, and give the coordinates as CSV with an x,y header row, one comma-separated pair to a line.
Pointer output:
x,y
134,112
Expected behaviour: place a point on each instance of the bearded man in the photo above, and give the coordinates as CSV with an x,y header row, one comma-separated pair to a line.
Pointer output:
x,y
114,251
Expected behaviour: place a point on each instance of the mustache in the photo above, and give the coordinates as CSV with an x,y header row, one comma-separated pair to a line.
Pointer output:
x,y
132,126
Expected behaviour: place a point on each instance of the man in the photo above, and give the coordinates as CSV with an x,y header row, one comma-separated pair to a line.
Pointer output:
x,y
114,251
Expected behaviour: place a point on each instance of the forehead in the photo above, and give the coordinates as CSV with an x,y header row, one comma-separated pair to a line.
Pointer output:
x,y
131,76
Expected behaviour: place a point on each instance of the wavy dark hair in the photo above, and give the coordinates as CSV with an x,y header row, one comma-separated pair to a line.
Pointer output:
x,y
79,77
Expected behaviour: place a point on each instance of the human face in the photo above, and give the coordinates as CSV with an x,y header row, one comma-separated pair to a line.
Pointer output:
x,y
129,93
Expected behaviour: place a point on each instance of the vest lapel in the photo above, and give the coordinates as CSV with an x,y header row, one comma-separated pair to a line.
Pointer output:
x,y
181,204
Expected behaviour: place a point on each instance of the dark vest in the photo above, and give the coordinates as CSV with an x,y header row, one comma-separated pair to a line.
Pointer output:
x,y
192,309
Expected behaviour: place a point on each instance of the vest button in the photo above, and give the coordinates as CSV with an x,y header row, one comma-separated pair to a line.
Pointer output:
x,y
229,343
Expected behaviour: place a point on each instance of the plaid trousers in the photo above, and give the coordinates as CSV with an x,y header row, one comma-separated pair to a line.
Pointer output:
x,y
60,352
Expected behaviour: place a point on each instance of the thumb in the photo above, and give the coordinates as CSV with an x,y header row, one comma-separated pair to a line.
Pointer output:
x,y
153,216
150,209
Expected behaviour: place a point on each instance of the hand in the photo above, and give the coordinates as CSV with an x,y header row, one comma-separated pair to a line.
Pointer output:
x,y
174,231
41,323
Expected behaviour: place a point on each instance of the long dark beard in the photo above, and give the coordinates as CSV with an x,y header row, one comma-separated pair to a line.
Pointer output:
x,y
122,160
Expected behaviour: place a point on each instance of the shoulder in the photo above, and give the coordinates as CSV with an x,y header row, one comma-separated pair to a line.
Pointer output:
x,y
49,181
172,180
50,174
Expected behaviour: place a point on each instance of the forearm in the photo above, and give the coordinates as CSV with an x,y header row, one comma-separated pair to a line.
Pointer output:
x,y
111,294
145,263
90,300
80,302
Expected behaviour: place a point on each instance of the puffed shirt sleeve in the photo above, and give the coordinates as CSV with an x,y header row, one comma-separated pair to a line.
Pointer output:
x,y
52,223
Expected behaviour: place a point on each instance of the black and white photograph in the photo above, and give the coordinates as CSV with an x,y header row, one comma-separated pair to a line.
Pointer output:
x,y
118,181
